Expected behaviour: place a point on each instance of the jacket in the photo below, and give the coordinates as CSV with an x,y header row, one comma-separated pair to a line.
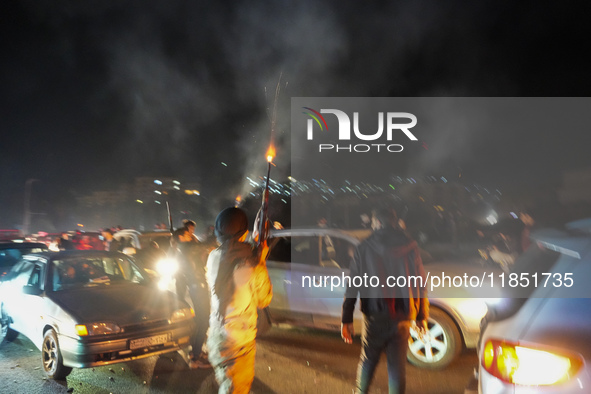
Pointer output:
x,y
252,291
388,252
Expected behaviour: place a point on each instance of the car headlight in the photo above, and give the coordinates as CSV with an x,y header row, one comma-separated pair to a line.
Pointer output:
x,y
524,365
182,314
99,328
167,267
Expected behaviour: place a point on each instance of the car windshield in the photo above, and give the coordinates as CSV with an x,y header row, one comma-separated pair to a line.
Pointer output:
x,y
77,272
10,256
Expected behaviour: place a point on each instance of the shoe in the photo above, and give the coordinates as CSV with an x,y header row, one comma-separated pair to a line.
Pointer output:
x,y
202,362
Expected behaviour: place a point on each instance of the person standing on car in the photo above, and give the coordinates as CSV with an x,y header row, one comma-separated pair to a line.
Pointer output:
x,y
239,285
388,312
111,244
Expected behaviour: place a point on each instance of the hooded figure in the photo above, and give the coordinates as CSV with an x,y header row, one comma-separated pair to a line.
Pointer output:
x,y
388,312
239,285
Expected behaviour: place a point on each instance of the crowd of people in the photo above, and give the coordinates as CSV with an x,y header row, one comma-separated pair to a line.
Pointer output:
x,y
225,279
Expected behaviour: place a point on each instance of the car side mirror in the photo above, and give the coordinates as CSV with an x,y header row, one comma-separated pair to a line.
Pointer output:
x,y
31,290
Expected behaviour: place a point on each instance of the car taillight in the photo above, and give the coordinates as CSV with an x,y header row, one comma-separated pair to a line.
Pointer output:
x,y
525,365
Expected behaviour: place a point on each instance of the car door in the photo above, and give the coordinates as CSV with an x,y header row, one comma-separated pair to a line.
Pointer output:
x,y
285,276
26,307
326,288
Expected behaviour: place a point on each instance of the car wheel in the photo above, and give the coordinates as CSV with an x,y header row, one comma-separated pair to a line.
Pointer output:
x,y
5,331
52,357
439,347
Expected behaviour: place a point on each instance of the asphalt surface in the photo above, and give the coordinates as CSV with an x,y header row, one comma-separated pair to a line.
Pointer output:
x,y
288,361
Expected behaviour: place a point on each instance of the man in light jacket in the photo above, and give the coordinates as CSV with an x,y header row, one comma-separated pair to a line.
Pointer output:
x,y
239,285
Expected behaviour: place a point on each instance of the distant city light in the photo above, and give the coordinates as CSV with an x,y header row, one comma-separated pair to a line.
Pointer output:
x,y
140,201
80,225
156,181
157,192
176,187
176,182
224,164
513,215
157,202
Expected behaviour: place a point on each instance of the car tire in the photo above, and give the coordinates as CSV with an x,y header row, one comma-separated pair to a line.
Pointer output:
x,y
52,357
6,333
264,323
442,345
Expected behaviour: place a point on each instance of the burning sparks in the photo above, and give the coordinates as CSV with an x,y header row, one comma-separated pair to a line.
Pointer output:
x,y
270,153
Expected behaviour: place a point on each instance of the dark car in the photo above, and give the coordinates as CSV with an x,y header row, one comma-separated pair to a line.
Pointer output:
x,y
12,252
90,308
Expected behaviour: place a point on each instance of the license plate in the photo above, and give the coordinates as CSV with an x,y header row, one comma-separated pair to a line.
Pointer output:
x,y
149,341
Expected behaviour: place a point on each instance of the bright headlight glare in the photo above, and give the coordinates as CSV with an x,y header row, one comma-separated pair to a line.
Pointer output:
x,y
167,267
522,365
182,314
163,284
473,308
539,368
81,330
99,328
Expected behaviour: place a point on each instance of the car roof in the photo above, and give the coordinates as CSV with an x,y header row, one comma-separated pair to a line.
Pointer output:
x,y
22,245
331,232
574,240
583,225
77,253
126,231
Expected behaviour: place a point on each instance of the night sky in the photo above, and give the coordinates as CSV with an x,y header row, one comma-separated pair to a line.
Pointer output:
x,y
96,93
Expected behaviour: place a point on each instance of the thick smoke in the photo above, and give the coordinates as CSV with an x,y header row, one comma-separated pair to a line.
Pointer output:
x,y
166,88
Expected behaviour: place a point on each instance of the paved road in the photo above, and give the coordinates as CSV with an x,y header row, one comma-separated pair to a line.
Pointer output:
x,y
288,361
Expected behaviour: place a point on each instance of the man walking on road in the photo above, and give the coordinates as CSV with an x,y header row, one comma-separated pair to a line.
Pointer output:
x,y
388,312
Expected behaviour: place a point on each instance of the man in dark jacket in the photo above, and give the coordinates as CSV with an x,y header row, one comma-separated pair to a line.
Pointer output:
x,y
191,278
388,311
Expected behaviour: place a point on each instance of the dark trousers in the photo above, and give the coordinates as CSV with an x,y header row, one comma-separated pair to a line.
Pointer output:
x,y
381,334
199,294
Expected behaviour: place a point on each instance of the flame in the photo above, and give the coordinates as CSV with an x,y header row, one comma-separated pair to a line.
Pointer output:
x,y
238,198
270,153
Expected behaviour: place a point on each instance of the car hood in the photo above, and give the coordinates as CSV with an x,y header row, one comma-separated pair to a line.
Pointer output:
x,y
121,303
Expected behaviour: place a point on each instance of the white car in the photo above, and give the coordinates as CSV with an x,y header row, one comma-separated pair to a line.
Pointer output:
x,y
297,254
83,309
538,340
